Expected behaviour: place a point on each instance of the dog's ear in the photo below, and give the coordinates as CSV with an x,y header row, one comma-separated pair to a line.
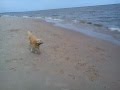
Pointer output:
x,y
41,42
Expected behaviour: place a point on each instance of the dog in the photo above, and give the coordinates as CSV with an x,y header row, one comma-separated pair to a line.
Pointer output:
x,y
34,43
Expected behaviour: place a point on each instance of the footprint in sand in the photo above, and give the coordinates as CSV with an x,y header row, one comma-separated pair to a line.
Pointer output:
x,y
61,71
67,58
72,76
12,68
14,30
97,50
92,73
80,65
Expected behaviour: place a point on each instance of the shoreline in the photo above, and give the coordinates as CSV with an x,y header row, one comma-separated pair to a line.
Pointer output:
x,y
68,61
93,30
98,32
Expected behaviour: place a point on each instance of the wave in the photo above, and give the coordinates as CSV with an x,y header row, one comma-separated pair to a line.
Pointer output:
x,y
5,15
52,20
115,29
38,17
8,16
98,25
75,21
25,16
91,23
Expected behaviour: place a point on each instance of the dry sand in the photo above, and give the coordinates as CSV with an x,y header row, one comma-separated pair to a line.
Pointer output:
x,y
68,60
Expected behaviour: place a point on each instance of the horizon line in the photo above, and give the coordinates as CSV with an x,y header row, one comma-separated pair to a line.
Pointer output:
x,y
57,8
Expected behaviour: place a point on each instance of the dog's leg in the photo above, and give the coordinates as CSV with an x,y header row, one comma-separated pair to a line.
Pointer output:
x,y
38,51
29,47
32,50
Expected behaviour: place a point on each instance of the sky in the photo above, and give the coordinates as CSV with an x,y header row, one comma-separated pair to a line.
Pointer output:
x,y
31,5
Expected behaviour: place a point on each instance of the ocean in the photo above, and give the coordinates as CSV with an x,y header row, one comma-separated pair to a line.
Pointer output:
x,y
105,17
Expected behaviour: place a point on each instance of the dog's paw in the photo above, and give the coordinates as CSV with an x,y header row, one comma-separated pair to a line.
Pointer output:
x,y
38,52
31,50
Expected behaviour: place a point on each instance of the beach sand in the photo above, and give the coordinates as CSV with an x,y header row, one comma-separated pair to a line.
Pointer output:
x,y
68,60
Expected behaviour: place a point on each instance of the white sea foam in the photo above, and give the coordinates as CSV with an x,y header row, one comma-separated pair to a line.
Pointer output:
x,y
5,15
59,20
52,20
115,29
25,16
48,19
8,16
75,21
38,17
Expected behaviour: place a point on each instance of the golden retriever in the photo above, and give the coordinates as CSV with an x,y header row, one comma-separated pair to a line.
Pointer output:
x,y
34,42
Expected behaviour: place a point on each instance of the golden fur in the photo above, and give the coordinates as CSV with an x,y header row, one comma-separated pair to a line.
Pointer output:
x,y
34,42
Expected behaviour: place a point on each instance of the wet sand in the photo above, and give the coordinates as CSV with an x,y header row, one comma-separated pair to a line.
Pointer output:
x,y
68,60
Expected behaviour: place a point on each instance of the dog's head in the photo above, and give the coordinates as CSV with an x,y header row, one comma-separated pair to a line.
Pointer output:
x,y
39,42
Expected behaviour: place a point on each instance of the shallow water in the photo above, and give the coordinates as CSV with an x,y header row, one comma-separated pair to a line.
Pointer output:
x,y
87,31
105,15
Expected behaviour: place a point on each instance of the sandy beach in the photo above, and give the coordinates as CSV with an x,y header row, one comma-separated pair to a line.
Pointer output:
x,y
68,60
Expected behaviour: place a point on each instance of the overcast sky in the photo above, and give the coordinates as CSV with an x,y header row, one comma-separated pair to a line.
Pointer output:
x,y
29,5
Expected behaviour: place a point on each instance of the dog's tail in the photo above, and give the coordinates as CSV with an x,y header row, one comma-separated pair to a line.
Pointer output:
x,y
29,34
